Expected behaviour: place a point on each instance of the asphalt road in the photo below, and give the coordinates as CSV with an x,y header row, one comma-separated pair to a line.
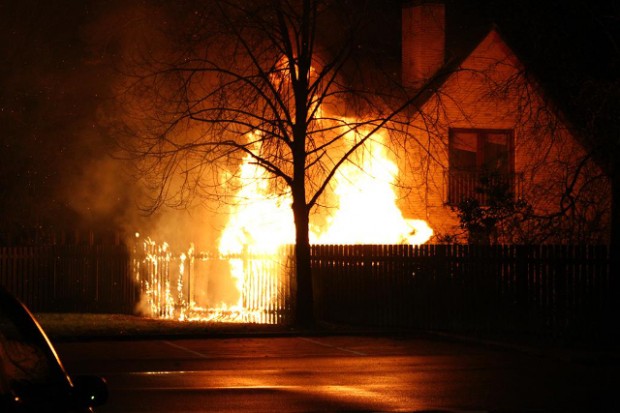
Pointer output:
x,y
340,373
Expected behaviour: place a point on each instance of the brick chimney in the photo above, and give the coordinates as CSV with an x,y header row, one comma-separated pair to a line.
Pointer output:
x,y
423,40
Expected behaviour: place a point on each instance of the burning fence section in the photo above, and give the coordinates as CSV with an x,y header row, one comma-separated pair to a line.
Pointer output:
x,y
201,286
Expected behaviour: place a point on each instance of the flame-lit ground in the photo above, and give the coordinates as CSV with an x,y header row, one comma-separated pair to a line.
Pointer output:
x,y
249,278
341,374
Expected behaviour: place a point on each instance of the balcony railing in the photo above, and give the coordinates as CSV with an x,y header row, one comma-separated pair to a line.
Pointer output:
x,y
480,186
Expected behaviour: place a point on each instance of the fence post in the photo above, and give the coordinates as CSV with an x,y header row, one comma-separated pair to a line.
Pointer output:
x,y
521,287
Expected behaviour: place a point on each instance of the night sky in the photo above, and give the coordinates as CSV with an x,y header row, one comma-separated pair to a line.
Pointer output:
x,y
52,84
59,67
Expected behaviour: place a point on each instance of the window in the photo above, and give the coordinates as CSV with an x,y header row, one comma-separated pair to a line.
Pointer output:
x,y
480,161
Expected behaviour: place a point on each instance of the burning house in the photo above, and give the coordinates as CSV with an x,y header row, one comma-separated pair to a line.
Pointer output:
x,y
482,156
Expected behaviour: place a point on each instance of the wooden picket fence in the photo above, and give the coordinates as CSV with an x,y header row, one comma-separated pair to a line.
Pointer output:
x,y
268,290
70,278
548,290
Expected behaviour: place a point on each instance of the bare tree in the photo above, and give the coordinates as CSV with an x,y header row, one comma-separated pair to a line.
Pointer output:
x,y
269,80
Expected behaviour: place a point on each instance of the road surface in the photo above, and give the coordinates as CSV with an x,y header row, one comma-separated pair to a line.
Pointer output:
x,y
339,373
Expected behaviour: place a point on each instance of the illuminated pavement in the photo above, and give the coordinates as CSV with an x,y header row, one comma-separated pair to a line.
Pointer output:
x,y
354,374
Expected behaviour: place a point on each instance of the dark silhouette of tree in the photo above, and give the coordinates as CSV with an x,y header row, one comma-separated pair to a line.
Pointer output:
x,y
269,80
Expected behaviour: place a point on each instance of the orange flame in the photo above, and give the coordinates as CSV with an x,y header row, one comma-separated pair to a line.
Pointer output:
x,y
367,211
262,221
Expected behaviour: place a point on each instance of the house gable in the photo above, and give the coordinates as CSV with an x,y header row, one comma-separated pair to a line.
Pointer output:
x,y
477,93
490,91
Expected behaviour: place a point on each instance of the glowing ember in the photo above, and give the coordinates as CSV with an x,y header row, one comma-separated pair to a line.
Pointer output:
x,y
153,276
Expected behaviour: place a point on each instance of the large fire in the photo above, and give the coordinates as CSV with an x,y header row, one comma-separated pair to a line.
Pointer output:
x,y
367,211
260,226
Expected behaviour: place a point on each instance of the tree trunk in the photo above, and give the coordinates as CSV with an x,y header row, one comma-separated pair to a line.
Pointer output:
x,y
304,309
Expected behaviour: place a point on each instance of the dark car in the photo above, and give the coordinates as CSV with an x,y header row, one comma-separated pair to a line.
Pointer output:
x,y
32,378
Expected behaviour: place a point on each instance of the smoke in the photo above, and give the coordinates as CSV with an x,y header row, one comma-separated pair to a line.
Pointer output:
x,y
104,188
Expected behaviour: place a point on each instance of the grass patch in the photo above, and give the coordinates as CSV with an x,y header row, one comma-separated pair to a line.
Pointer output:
x,y
61,326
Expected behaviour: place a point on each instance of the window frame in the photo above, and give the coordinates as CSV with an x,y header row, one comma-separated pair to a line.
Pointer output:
x,y
481,139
